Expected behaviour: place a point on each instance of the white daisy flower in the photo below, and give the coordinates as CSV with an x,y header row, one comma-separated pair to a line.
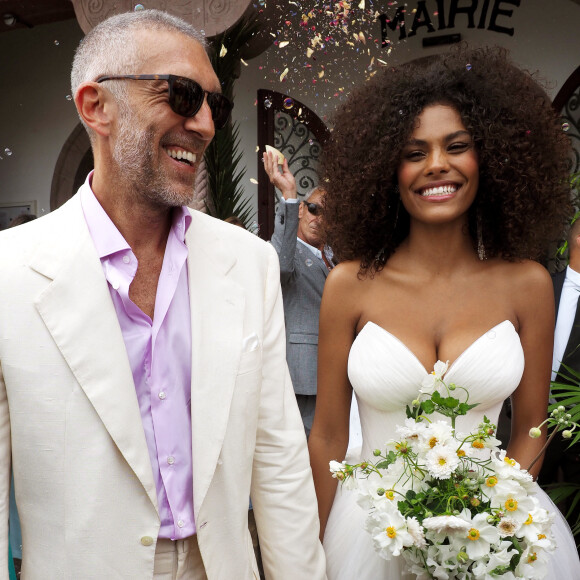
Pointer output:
x,y
411,429
536,527
517,506
508,526
437,433
532,565
441,461
480,536
388,529
416,530
446,525
432,380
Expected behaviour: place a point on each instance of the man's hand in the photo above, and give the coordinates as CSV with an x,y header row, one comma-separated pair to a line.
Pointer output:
x,y
283,180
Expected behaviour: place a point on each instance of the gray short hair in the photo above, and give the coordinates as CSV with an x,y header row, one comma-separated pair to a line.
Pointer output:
x,y
312,191
111,47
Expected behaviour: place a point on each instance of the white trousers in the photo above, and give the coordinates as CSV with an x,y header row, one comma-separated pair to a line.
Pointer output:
x,y
178,560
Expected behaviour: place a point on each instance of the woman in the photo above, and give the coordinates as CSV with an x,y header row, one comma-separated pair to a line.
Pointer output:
x,y
444,178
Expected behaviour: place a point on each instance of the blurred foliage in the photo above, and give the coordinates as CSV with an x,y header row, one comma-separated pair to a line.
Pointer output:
x,y
560,259
568,395
223,156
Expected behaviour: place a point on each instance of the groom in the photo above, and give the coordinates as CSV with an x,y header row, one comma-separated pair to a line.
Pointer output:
x,y
144,393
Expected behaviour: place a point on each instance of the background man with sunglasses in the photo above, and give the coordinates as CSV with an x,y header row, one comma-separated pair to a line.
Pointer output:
x,y
144,392
304,266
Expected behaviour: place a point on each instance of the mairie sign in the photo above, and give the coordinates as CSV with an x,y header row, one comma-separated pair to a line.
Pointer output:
x,y
433,15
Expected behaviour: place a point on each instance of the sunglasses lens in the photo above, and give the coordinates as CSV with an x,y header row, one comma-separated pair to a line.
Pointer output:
x,y
186,96
221,107
312,208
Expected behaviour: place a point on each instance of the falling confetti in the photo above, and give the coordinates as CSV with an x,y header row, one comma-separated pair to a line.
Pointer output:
x,y
243,62
468,66
288,103
267,103
56,43
223,51
284,43
283,75
254,181
8,151
565,126
139,7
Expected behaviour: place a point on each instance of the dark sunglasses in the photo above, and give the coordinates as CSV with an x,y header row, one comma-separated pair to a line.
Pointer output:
x,y
313,208
186,96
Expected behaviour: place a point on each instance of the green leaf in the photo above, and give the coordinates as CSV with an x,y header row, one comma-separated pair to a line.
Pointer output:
x,y
450,402
226,196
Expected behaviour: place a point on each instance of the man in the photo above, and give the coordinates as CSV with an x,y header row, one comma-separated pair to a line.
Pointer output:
x,y
304,266
144,394
566,352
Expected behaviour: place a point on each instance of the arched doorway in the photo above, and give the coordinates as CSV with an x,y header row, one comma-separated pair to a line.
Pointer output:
x,y
296,131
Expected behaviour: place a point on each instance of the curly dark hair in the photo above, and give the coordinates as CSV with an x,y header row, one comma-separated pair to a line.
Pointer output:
x,y
523,200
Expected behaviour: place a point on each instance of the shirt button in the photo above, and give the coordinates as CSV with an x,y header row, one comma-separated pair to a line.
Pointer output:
x,y
147,541
126,259
180,523
171,460
162,395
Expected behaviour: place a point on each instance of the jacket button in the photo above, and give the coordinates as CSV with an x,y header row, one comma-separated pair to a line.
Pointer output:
x,y
147,540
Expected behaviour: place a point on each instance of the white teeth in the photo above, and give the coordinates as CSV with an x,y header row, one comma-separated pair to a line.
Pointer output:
x,y
182,154
441,190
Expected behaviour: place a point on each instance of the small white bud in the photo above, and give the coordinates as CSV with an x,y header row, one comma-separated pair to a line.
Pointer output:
x,y
535,432
567,434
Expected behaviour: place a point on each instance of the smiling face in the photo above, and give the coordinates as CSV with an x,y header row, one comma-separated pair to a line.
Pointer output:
x,y
439,172
156,151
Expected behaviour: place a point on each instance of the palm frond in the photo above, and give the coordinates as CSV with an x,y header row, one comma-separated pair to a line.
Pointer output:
x,y
223,157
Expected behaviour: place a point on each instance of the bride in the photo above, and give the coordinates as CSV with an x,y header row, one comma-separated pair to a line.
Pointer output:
x,y
443,179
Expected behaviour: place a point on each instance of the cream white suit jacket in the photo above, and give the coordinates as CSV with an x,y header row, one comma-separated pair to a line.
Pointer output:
x,y
70,418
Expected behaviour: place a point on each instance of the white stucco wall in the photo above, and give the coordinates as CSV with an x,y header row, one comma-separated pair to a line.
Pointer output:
x,y
36,118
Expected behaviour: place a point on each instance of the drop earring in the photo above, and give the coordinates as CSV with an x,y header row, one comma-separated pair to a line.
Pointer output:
x,y
480,245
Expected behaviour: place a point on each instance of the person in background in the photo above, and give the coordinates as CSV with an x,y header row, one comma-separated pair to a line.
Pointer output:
x,y
144,393
235,220
305,262
561,462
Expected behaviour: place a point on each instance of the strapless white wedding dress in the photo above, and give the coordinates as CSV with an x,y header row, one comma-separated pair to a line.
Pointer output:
x,y
386,376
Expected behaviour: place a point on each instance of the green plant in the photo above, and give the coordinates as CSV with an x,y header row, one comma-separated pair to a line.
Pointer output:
x,y
223,156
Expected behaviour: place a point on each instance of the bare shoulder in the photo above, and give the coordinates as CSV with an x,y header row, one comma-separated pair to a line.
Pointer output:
x,y
527,286
344,281
342,290
345,273
526,275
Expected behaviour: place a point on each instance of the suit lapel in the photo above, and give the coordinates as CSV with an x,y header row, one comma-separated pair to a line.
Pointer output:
x,y
79,314
217,311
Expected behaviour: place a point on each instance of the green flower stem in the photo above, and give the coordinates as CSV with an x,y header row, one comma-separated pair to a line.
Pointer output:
x,y
552,435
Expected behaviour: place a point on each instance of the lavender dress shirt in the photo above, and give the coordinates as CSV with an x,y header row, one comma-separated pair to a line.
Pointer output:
x,y
159,352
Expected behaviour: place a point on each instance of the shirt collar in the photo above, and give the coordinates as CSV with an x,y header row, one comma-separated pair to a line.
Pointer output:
x,y
106,237
572,278
314,250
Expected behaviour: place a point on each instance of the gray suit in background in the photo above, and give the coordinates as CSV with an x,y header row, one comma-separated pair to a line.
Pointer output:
x,y
302,275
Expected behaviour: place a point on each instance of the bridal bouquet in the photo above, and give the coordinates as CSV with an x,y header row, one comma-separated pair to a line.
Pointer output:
x,y
452,504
